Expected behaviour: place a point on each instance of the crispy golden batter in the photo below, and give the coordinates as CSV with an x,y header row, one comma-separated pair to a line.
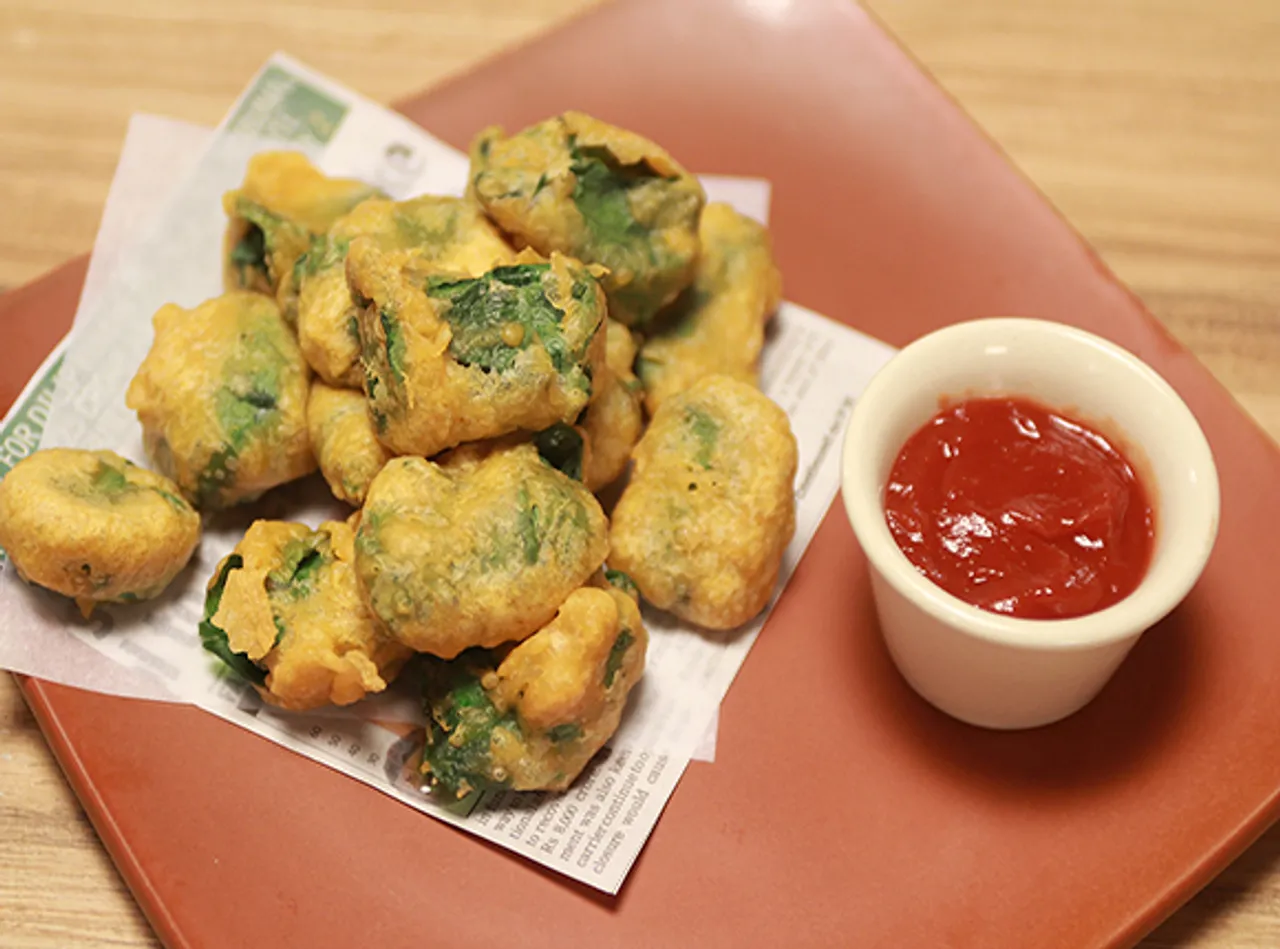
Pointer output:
x,y
93,526
284,610
477,553
222,399
532,720
613,422
282,205
619,350
716,327
596,450
449,360
345,444
710,507
450,234
607,196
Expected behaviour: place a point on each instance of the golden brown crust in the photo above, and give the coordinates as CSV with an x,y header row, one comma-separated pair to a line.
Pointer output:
x,y
293,607
709,509
613,422
92,526
222,398
717,326
442,369
343,438
600,193
476,553
283,203
448,235
546,707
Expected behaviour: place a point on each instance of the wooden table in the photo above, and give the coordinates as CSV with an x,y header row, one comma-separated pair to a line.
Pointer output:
x,y
1154,125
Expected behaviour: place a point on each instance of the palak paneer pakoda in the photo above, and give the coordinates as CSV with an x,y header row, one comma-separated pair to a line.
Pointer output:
x,y
343,438
222,398
283,204
710,506
716,327
532,716
448,235
284,610
94,526
476,553
600,193
449,360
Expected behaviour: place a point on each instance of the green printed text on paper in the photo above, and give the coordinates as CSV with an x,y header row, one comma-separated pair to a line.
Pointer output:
x,y
282,106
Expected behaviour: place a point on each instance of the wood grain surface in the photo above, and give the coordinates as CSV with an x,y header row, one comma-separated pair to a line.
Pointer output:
x,y
1153,125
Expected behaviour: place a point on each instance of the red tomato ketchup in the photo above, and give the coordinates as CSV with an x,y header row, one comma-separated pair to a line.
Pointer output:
x,y
1020,510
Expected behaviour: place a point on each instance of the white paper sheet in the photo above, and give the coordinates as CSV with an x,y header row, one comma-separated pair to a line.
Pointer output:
x,y
812,367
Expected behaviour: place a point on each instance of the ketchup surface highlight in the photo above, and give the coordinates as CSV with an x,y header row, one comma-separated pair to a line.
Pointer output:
x,y
1020,510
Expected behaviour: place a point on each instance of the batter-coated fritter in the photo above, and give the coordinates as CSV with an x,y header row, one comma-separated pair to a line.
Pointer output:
x,y
345,444
449,360
613,422
710,507
450,234
222,399
596,450
95,527
475,553
284,611
534,718
284,203
602,194
716,327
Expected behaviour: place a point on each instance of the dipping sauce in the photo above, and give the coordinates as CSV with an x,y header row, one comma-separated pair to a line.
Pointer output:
x,y
1020,510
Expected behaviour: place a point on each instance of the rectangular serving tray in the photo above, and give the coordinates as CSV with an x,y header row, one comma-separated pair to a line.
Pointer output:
x,y
841,809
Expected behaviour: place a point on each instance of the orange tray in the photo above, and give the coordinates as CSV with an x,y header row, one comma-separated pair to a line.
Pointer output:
x,y
841,810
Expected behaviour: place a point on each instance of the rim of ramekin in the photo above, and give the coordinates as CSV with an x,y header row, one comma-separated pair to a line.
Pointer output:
x,y
1156,595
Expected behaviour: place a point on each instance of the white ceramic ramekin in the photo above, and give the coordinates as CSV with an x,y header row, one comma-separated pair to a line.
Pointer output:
x,y
993,670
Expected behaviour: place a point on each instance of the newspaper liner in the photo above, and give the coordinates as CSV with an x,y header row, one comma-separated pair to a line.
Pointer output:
x,y
812,367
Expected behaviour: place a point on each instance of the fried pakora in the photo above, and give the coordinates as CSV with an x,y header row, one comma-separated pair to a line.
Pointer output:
x,y
596,450
532,717
613,421
284,611
477,552
605,195
222,398
449,360
95,527
710,507
716,327
345,444
450,235
283,204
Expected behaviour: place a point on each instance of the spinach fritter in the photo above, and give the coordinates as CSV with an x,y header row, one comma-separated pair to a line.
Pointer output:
x,y
448,235
283,203
477,551
716,327
95,527
710,506
284,611
531,717
222,398
449,359
605,195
